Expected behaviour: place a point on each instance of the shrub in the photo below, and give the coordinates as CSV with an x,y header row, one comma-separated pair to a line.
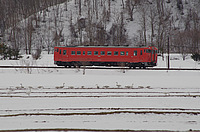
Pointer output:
x,y
36,55
196,57
8,53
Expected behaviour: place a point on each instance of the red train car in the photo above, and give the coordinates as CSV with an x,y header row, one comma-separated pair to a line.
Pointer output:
x,y
105,56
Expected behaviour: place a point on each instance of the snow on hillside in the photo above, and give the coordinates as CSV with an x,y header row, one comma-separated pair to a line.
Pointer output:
x,y
57,22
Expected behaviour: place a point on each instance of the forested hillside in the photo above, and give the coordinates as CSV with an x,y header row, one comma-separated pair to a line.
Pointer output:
x,y
36,25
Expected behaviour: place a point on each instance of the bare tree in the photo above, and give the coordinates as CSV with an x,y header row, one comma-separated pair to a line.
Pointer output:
x,y
152,21
89,28
123,4
118,32
130,5
66,5
30,30
109,9
143,22
97,9
163,25
80,7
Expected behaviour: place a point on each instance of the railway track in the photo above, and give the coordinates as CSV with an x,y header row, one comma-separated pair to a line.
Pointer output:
x,y
93,109
133,108
109,68
31,92
100,94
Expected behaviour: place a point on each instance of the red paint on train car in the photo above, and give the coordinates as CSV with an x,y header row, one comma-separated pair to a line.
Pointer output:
x,y
105,56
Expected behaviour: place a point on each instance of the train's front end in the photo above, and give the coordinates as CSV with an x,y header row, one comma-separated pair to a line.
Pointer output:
x,y
152,56
57,56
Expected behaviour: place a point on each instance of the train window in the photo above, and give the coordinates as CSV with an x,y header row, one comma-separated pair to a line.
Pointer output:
x,y
135,53
83,52
109,53
116,53
89,53
122,53
78,52
60,51
57,50
148,51
140,52
64,52
126,53
144,50
96,52
102,52
73,53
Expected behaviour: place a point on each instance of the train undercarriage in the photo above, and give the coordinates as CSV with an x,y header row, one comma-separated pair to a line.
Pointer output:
x,y
114,64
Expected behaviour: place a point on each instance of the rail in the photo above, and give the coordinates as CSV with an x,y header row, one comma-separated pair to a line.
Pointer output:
x,y
110,68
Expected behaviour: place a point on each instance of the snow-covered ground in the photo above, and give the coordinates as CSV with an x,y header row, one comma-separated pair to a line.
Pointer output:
x,y
75,77
67,99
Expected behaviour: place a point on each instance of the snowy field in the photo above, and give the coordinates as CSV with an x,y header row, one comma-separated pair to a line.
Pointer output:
x,y
61,99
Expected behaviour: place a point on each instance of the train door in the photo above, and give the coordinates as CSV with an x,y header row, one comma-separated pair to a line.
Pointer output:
x,y
64,55
153,56
141,57
134,56
60,54
56,54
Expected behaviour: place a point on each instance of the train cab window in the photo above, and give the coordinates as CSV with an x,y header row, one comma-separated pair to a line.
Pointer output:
x,y
122,53
96,52
140,52
57,50
135,53
60,52
109,53
144,50
102,52
116,53
64,52
83,52
78,52
126,53
89,53
73,53
148,51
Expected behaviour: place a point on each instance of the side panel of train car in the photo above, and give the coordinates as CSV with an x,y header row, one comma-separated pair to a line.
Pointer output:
x,y
105,56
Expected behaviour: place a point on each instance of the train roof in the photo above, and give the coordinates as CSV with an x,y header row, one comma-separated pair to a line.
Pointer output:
x,y
104,46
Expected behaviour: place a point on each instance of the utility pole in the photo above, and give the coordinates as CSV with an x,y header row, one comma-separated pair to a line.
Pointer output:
x,y
168,60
